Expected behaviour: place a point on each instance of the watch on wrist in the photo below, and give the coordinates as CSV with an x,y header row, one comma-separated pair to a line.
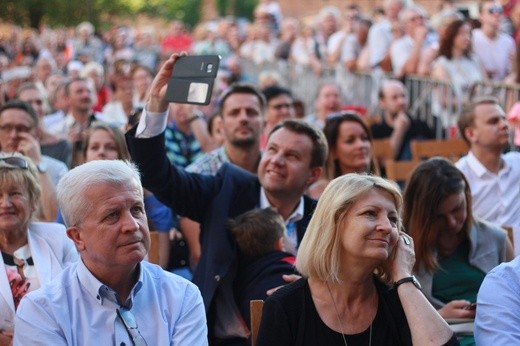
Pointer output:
x,y
42,168
411,279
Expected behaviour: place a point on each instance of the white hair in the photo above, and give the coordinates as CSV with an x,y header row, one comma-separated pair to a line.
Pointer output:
x,y
73,185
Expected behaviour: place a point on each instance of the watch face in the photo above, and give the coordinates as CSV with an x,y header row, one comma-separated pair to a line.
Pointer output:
x,y
42,168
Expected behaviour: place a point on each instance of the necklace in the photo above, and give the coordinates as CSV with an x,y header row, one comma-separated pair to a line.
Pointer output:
x,y
339,319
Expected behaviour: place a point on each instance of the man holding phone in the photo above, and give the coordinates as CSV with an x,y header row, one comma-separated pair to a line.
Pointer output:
x,y
293,160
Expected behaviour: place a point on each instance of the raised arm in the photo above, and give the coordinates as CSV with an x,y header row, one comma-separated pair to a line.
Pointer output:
x,y
186,193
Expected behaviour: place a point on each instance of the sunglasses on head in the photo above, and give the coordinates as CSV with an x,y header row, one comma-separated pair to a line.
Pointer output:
x,y
495,9
14,162
130,323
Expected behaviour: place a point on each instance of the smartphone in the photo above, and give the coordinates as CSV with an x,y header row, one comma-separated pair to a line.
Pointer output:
x,y
192,79
471,306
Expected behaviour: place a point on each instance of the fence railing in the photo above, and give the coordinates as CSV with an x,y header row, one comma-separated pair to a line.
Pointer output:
x,y
433,101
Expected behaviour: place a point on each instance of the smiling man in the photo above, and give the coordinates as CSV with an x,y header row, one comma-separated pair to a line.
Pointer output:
x,y
293,159
111,296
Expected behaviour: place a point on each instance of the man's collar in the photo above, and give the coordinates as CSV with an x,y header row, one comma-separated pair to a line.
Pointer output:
x,y
479,169
296,215
99,291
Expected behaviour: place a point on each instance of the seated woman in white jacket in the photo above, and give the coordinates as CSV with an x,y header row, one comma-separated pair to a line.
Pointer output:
x,y
33,253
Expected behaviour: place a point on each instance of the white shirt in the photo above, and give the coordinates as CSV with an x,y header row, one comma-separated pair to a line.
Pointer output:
x,y
496,197
60,126
494,55
77,309
401,49
379,39
115,114
291,239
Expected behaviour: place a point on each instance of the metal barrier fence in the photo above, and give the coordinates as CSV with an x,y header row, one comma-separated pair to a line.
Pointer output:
x,y
434,101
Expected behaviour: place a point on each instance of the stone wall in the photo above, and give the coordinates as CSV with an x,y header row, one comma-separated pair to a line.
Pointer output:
x,y
306,8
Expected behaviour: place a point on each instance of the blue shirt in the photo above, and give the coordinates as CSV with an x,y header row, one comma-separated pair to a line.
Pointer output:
x,y
181,149
77,309
498,306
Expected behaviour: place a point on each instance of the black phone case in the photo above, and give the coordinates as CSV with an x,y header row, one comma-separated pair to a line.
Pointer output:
x,y
196,66
192,79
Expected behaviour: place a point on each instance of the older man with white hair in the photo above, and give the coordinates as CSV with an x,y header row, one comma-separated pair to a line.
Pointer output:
x,y
111,296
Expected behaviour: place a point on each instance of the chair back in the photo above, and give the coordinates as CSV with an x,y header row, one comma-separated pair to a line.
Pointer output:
x,y
153,252
400,171
382,150
452,149
255,308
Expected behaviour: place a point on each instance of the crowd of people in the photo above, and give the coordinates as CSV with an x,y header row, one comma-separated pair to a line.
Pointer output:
x,y
252,192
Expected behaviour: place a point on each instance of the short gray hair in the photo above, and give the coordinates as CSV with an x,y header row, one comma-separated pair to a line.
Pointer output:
x,y
73,185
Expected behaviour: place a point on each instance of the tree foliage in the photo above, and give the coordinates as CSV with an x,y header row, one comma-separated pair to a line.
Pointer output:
x,y
66,12
237,8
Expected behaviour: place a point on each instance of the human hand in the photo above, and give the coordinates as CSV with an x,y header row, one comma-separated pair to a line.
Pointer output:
x,y
419,34
457,309
404,259
287,278
402,122
156,101
75,135
29,146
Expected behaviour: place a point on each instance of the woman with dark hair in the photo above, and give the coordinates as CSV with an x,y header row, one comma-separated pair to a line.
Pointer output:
x,y
350,149
456,65
453,249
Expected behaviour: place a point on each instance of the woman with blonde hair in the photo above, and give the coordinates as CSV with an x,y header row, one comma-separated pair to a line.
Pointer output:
x,y
357,287
33,253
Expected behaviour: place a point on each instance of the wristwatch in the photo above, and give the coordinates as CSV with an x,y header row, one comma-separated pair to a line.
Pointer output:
x,y
42,168
411,279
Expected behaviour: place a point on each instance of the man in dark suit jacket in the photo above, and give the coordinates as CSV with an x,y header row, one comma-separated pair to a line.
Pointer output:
x,y
293,160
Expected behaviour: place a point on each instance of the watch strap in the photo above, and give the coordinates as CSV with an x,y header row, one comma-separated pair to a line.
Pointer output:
x,y
411,279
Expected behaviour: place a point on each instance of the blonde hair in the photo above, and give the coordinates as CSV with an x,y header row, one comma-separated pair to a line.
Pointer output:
x,y
319,254
26,178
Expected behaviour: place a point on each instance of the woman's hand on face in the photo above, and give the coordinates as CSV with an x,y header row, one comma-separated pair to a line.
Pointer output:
x,y
457,309
404,259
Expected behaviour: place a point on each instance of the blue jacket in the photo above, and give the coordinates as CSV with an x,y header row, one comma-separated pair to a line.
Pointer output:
x,y
209,200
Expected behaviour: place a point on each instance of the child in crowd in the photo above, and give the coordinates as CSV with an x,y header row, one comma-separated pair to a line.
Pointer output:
x,y
260,235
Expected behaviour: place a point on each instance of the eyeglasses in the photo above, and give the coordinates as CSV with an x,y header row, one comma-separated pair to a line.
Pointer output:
x,y
282,105
14,162
130,323
18,128
495,9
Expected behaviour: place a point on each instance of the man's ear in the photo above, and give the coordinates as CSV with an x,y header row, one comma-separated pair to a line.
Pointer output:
x,y
76,236
280,246
469,132
315,175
